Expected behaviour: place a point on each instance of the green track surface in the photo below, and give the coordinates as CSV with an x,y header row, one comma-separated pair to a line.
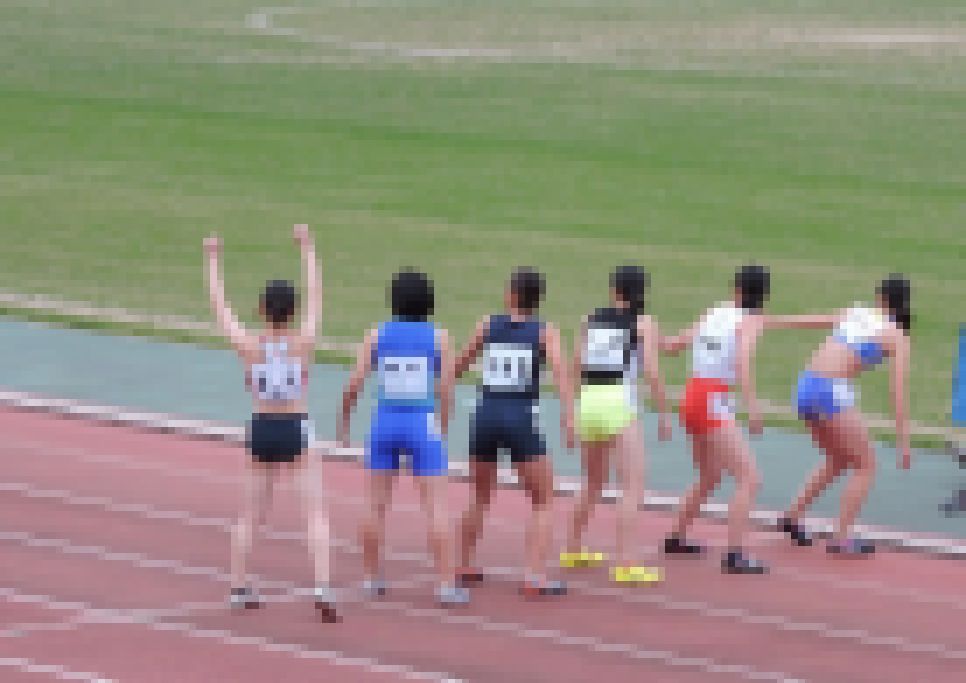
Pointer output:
x,y
824,138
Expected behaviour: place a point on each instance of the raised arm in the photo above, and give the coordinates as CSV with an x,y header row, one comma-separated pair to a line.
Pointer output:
x,y
553,348
673,345
227,322
817,321
310,309
898,376
748,334
444,385
472,349
649,334
356,380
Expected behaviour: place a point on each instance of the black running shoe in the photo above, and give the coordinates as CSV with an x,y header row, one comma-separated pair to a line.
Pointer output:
x,y
850,547
675,545
325,602
736,562
243,598
799,535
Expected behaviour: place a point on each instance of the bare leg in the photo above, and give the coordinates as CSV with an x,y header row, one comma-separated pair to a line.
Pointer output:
x,y
823,475
630,472
254,510
471,524
728,445
855,450
316,515
432,494
596,469
709,476
537,476
374,528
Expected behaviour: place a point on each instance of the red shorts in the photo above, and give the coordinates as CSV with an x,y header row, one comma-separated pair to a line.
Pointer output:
x,y
701,410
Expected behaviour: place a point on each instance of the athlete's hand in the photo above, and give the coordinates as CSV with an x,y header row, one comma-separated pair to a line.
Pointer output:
x,y
664,427
212,245
904,457
754,422
301,234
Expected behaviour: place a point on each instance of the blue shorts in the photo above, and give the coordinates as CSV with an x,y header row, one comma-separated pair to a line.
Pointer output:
x,y
414,432
819,397
509,424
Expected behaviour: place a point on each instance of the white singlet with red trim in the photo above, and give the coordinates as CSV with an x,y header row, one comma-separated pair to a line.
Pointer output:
x,y
714,351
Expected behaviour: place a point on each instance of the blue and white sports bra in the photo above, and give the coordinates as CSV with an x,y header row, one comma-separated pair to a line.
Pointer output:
x,y
278,377
860,330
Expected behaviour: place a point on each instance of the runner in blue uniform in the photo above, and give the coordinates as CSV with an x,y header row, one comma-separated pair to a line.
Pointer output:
x,y
514,346
412,359
280,433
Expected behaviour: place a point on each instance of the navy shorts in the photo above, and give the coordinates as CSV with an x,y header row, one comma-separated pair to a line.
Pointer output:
x,y
278,437
506,424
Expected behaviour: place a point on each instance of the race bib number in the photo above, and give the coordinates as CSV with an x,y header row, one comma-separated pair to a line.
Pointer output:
x,y
405,378
605,349
508,367
710,348
277,381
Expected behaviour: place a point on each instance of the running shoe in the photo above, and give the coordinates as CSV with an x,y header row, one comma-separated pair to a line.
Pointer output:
x,y
452,596
542,589
584,558
850,547
243,598
736,562
467,576
632,574
799,534
675,545
324,598
374,588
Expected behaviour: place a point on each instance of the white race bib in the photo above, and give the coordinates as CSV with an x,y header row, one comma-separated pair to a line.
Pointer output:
x,y
715,344
277,380
405,378
605,348
508,367
861,325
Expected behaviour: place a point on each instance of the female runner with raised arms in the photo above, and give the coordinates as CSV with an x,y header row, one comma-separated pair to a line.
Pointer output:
x,y
722,342
864,336
279,434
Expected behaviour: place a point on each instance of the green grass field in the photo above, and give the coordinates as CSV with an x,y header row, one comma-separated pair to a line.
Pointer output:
x,y
827,140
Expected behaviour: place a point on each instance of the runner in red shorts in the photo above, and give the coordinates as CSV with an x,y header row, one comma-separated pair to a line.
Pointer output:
x,y
722,343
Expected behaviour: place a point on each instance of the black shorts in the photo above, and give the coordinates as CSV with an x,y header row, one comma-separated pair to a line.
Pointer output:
x,y
278,437
508,424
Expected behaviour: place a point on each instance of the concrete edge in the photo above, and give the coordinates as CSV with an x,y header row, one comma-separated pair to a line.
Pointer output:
x,y
225,432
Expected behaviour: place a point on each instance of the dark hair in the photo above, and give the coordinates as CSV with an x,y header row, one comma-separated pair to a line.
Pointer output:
x,y
278,301
895,291
630,283
527,286
411,295
754,283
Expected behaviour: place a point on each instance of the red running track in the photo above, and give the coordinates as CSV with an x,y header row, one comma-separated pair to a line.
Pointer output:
x,y
114,550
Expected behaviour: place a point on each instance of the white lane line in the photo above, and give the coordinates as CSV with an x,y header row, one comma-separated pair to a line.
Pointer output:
x,y
30,666
88,614
877,588
661,601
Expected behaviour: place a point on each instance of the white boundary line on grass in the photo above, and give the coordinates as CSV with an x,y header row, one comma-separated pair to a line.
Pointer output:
x,y
165,423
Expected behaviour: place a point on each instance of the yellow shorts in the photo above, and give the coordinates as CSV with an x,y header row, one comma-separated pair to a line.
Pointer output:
x,y
603,412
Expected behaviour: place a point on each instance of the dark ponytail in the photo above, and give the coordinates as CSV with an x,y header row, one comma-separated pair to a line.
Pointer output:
x,y
754,284
630,283
895,292
279,301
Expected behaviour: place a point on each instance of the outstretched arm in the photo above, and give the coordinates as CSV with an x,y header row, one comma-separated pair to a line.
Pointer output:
x,y
649,334
310,310
818,321
351,392
227,322
673,345
472,349
444,385
898,375
553,347
748,335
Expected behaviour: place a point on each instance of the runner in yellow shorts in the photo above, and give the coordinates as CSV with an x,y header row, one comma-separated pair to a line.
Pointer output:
x,y
611,342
